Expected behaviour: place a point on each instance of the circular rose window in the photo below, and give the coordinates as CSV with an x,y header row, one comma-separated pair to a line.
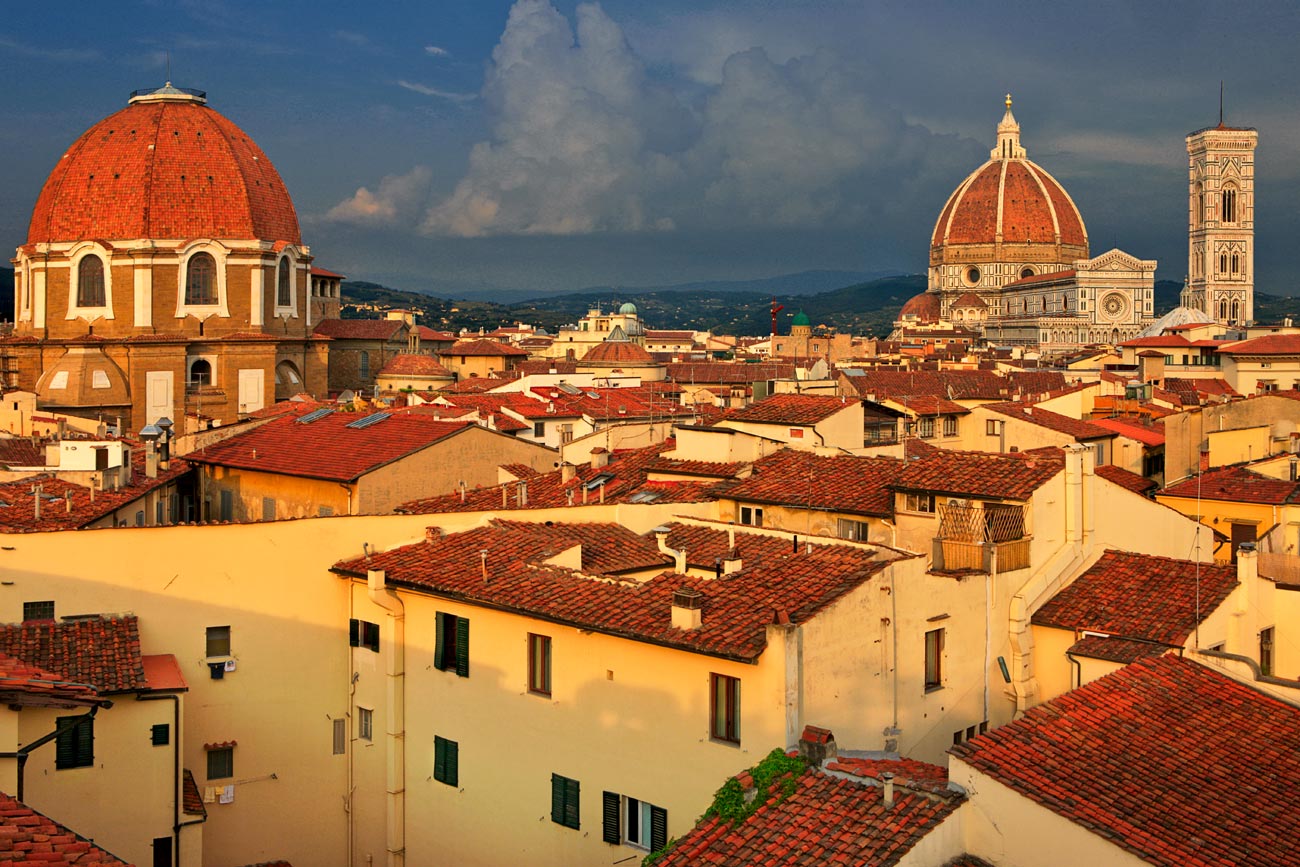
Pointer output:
x,y
972,275
1114,305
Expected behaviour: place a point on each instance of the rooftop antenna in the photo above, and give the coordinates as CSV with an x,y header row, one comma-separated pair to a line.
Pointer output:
x,y
168,55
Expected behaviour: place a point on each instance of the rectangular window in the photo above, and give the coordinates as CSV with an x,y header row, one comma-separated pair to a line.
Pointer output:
x,y
365,724
340,736
446,761
162,852
564,801
268,508
451,644
218,641
858,531
751,515
927,428
539,429
325,511
363,633
38,610
933,659
950,425
991,427
1266,651
796,433
919,502
75,743
634,822
221,763
566,434
227,506
160,735
724,708
539,664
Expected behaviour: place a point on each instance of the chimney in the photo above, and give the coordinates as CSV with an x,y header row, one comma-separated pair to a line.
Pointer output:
x,y
688,604
888,779
1205,461
599,458
679,557
817,745
483,562
567,472
1247,564
151,460
733,562
36,502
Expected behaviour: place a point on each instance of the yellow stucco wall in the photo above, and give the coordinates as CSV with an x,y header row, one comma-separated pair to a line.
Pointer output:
x,y
1242,444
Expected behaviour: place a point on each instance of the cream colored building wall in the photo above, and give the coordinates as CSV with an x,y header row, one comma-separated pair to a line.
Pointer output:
x,y
1005,828
1250,375
632,435
806,522
295,497
9,743
125,799
732,445
1019,434
615,706
1241,444
1220,515
1055,673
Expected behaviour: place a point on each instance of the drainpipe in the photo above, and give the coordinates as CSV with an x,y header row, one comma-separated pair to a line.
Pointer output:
x,y
347,488
177,824
395,670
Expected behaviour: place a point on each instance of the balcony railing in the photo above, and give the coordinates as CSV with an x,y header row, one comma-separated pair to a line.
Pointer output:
x,y
954,556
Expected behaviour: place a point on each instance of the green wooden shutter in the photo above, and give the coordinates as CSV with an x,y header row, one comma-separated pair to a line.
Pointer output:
x,y
440,760
438,641
610,831
557,799
354,632
65,753
571,804
453,763
658,828
462,646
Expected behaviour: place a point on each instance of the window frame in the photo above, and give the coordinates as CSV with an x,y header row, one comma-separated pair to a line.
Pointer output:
x,y
852,529
750,516
451,633
365,723
1267,650
284,284
101,300
934,645
446,761
30,610
211,296
925,427
213,633
566,802
364,634
919,502
950,425
539,664
77,255
75,742
225,755
621,813
724,708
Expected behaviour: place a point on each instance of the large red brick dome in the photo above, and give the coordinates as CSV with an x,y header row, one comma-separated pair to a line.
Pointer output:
x,y
1009,200
165,167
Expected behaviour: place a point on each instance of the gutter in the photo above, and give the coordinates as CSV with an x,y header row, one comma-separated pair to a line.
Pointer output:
x,y
385,597
177,824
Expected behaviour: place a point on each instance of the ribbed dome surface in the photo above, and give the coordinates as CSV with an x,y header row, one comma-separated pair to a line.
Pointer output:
x,y
617,352
925,307
1012,201
165,169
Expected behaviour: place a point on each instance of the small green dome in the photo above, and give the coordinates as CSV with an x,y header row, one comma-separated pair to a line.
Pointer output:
x,y
800,318
628,309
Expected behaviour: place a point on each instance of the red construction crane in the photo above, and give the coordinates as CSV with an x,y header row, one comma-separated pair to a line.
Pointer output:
x,y
776,308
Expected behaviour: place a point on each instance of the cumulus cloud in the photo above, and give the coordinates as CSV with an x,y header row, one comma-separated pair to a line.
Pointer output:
x,y
398,200
584,140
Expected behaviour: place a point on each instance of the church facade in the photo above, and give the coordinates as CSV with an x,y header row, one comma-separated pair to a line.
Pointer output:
x,y
164,275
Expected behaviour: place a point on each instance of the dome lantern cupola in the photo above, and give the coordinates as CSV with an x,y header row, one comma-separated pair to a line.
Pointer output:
x,y
1008,138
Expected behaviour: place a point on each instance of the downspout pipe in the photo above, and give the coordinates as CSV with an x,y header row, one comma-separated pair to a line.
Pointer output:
x,y
177,824
381,594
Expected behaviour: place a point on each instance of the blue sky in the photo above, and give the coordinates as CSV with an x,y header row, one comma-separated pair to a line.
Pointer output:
x,y
470,144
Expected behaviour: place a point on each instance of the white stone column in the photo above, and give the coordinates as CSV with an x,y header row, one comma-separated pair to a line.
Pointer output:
x,y
257,299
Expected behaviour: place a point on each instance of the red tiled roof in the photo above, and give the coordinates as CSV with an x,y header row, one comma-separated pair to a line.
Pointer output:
x,y
908,773
617,352
359,329
786,409
1166,759
1125,479
317,271
162,673
17,501
411,364
926,404
328,448
969,299
475,385
174,170
737,608
1139,596
1011,200
669,335
926,307
30,837
1114,649
950,384
712,469
21,683
483,347
103,652
1148,435
546,365
191,799
1072,427
824,820
1269,344
1176,341
843,483
21,452
427,333
727,373
979,474
1034,280
625,478
1235,484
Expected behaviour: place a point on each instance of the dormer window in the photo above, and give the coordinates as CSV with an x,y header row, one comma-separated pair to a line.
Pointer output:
x,y
201,280
90,282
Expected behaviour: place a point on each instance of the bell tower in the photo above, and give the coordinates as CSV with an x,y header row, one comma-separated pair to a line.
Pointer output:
x,y
1221,223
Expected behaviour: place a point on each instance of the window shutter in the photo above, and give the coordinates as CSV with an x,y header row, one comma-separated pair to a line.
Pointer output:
x,y
354,632
557,799
160,735
65,755
439,642
340,737
462,646
610,833
658,828
571,803
440,760
452,759
370,636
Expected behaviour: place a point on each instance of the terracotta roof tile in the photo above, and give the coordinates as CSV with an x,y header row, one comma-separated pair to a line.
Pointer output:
x,y
29,837
737,608
1235,484
17,499
950,384
1125,479
1113,649
328,448
710,469
191,798
617,352
21,452
727,373
825,820
483,347
410,364
927,404
1073,427
1269,344
1139,596
1166,759
359,329
21,682
844,483
1134,429
103,652
786,409
475,385
979,474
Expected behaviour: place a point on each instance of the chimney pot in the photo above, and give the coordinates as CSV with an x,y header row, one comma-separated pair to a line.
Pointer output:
x,y
688,605
888,779
817,745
